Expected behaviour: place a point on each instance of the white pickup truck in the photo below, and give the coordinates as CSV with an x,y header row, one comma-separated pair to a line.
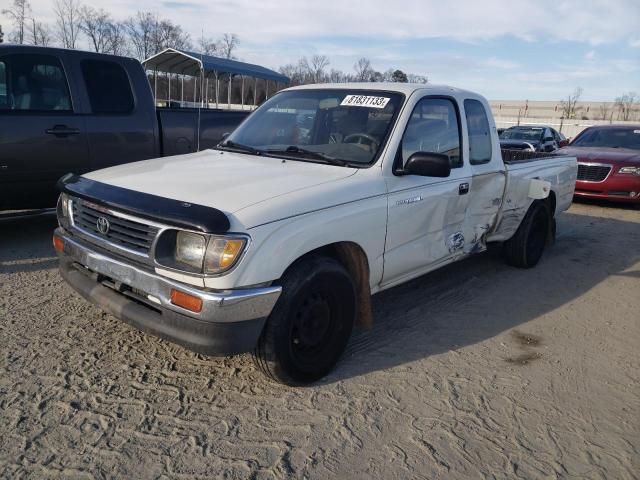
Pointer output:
x,y
274,242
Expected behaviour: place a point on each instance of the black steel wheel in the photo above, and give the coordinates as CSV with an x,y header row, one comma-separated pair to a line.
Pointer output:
x,y
310,325
527,245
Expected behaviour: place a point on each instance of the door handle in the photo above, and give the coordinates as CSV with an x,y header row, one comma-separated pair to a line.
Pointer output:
x,y
463,189
62,131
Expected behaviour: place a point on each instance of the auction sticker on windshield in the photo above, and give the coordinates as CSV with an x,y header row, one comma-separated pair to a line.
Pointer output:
x,y
365,101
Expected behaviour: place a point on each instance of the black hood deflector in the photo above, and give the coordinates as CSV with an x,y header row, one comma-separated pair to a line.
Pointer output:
x,y
164,210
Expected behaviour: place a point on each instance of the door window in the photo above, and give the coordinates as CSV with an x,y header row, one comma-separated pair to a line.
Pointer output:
x,y
33,83
108,87
479,132
433,128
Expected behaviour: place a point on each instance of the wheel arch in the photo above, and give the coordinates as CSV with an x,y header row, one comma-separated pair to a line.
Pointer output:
x,y
354,259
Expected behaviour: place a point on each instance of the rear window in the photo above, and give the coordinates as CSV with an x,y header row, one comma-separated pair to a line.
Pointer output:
x,y
479,132
108,87
33,83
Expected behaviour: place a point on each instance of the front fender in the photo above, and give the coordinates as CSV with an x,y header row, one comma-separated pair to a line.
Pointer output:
x,y
275,246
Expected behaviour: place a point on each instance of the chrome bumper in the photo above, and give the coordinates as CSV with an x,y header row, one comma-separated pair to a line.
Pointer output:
x,y
219,307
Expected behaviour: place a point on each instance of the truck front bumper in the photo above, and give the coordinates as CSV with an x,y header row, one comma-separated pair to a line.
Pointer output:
x,y
230,321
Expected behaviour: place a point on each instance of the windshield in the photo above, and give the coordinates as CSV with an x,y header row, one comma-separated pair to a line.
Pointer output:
x,y
526,134
609,137
341,127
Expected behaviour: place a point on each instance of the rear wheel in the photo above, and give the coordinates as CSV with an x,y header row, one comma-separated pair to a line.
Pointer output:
x,y
525,248
310,325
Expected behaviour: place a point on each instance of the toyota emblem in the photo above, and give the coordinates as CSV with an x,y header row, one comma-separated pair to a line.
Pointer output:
x,y
102,225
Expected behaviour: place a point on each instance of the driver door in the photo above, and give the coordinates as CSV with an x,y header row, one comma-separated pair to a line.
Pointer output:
x,y
426,214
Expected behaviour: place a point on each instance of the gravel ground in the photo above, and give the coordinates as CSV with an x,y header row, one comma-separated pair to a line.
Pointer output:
x,y
478,370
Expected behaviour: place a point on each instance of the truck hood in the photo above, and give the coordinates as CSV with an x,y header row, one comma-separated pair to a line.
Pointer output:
x,y
614,156
224,180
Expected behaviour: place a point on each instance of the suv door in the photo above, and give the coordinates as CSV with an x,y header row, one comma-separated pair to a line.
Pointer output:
x,y
41,136
425,214
120,126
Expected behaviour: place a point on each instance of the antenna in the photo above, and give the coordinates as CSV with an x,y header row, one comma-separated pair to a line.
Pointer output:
x,y
201,95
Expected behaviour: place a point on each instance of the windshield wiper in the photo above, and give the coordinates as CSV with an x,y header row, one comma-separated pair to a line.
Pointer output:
x,y
240,147
303,152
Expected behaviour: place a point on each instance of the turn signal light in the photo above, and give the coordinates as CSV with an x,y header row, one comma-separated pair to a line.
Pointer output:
x,y
58,244
186,301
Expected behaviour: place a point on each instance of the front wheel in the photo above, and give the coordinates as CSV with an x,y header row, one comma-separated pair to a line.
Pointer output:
x,y
526,246
310,325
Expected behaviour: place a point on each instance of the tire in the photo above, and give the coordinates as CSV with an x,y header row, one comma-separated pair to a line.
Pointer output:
x,y
525,248
310,325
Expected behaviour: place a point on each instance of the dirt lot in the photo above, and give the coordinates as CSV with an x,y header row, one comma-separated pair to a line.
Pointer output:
x,y
476,371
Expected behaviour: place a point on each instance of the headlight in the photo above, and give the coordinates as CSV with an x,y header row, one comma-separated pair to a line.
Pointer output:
x,y
223,253
629,170
190,248
208,254
63,205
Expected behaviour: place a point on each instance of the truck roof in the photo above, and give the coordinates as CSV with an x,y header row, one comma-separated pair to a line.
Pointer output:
x,y
406,88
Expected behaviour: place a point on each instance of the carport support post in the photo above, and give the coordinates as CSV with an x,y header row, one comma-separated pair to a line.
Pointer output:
x,y
155,86
242,92
255,90
229,93
206,92
195,86
169,103
217,88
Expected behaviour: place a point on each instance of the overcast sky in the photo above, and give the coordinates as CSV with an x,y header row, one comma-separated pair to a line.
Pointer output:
x,y
536,50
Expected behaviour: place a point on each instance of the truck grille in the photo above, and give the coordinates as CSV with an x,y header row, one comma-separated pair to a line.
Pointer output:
x,y
121,232
593,173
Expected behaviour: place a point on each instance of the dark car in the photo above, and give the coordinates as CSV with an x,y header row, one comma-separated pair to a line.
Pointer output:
x,y
608,162
533,138
67,111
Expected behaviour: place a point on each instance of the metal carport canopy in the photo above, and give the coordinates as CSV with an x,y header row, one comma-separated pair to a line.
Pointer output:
x,y
190,63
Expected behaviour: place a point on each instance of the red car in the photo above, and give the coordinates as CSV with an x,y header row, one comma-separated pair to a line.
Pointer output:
x,y
608,162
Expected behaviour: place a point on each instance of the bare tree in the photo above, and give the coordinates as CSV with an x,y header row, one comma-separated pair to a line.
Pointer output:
x,y
149,35
363,70
140,30
169,35
337,76
569,104
117,39
97,24
228,44
625,104
603,111
19,14
68,19
414,78
316,68
39,33
208,46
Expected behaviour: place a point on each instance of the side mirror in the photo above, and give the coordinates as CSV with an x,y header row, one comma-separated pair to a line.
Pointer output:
x,y
427,164
563,143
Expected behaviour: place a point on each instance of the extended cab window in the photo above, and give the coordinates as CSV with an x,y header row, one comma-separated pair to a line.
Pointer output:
x,y
33,82
479,132
108,87
433,128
